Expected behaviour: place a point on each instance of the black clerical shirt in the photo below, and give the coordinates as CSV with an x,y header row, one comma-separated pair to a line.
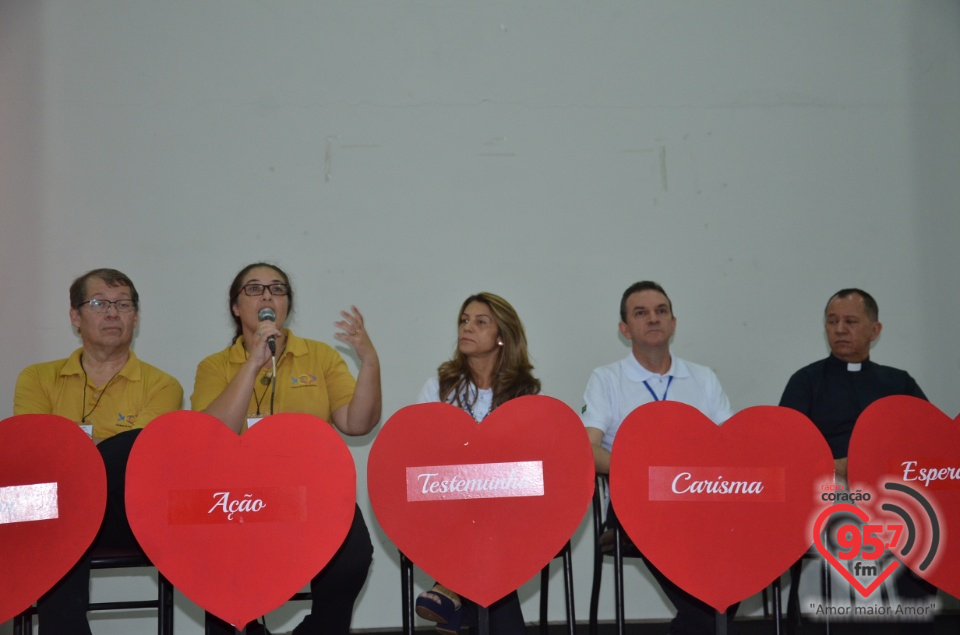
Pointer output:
x,y
833,394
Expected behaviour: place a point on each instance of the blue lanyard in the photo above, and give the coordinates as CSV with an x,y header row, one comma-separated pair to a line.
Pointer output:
x,y
655,398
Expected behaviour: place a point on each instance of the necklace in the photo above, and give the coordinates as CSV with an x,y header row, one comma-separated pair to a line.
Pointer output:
x,y
469,410
266,380
468,404
83,407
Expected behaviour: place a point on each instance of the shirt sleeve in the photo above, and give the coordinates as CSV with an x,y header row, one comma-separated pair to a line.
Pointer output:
x,y
340,383
163,394
913,389
720,409
797,394
597,411
29,396
430,393
210,381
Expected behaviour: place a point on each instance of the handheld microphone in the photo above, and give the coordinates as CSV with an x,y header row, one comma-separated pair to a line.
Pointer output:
x,y
267,314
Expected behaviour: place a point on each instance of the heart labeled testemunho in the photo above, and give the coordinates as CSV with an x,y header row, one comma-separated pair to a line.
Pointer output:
x,y
481,508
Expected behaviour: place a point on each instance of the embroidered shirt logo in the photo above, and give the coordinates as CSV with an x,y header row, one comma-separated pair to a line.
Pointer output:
x,y
129,420
303,381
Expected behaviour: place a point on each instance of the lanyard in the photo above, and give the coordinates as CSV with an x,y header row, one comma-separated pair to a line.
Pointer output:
x,y
655,398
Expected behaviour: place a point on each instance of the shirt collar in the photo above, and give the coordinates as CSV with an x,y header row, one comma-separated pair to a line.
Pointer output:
x,y
836,362
636,372
73,366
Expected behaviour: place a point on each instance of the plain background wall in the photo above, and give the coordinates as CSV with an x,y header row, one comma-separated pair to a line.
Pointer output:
x,y
752,156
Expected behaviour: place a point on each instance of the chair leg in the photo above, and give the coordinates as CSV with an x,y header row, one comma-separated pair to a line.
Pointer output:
x,y
544,597
23,624
777,608
595,588
827,595
406,594
568,590
600,486
884,595
618,579
483,620
793,598
720,622
165,605
853,591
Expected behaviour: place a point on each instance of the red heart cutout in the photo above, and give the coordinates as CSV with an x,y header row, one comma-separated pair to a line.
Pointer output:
x,y
667,461
907,440
290,487
865,591
53,491
484,539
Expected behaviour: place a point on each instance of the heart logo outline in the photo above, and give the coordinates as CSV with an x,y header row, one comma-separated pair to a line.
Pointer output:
x,y
864,591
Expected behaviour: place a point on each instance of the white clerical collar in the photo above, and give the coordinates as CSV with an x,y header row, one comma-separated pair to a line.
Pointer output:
x,y
854,368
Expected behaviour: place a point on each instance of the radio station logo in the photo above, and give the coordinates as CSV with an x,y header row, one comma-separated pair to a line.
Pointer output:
x,y
865,537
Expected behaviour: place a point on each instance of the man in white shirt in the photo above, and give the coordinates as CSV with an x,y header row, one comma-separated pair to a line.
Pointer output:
x,y
652,373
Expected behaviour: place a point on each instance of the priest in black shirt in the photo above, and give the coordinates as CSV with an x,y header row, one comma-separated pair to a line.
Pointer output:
x,y
834,391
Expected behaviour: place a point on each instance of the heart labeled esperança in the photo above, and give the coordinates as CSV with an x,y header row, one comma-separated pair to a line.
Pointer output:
x,y
905,453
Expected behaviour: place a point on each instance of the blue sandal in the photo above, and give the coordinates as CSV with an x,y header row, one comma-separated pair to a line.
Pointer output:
x,y
437,607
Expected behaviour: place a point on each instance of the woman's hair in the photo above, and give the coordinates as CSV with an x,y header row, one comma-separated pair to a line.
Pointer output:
x,y
236,288
511,377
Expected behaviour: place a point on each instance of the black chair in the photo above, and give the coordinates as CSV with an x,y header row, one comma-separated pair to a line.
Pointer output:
x,y
118,559
566,555
612,541
794,617
407,600
607,542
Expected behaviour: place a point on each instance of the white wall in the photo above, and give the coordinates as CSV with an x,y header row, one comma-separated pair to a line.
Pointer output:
x,y
752,156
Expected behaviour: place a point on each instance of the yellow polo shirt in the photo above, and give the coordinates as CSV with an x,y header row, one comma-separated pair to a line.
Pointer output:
x,y
138,394
312,378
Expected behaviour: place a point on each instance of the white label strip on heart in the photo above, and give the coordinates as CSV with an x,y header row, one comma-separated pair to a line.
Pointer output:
x,y
25,503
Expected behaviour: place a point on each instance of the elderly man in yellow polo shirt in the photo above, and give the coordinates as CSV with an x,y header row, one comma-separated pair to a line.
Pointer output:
x,y
111,394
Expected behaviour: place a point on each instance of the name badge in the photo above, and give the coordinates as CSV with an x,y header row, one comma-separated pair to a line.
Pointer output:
x,y
252,421
88,428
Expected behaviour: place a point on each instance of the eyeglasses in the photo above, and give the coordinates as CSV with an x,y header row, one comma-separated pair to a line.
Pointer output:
x,y
255,288
102,306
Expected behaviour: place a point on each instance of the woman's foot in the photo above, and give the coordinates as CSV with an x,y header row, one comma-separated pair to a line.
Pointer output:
x,y
441,605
